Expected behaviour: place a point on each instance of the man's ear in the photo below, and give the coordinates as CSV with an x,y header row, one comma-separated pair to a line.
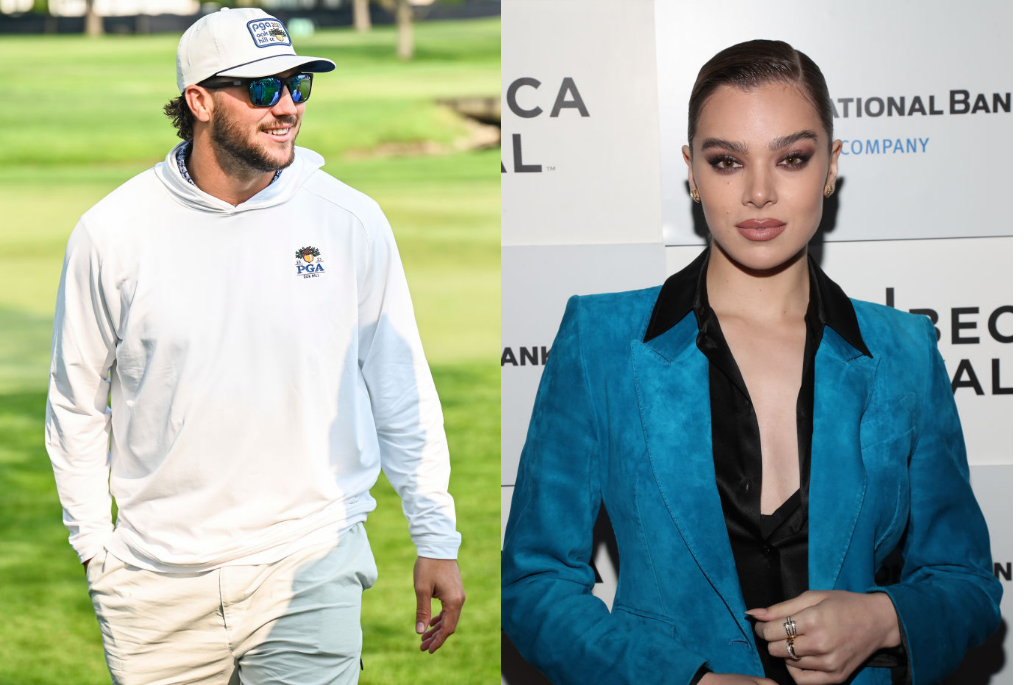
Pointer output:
x,y
200,101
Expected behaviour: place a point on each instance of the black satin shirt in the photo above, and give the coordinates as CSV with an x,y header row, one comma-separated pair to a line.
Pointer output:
x,y
770,550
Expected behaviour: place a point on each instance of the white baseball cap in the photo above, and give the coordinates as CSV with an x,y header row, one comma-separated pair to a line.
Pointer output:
x,y
245,42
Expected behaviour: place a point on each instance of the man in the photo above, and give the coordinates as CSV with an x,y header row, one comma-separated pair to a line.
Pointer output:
x,y
249,318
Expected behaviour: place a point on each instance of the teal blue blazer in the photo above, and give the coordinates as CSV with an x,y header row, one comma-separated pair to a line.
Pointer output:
x,y
628,423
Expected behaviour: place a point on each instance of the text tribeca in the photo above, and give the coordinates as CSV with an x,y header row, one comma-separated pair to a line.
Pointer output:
x,y
568,97
962,328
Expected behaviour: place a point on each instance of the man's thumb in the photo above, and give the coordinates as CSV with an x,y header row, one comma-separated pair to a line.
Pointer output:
x,y
422,610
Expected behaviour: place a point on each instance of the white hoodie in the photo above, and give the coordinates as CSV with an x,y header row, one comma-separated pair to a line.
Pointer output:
x,y
255,391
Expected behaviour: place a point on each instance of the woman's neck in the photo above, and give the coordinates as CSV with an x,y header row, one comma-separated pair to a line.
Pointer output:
x,y
758,296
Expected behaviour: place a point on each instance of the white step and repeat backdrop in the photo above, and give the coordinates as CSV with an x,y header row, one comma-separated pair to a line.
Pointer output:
x,y
594,197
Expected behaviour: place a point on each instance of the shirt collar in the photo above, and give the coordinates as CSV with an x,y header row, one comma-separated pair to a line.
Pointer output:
x,y
686,291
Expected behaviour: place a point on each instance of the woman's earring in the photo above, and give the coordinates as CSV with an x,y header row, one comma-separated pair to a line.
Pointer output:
x,y
828,190
695,195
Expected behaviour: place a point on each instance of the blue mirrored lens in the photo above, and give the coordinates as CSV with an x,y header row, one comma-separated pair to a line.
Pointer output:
x,y
300,86
265,92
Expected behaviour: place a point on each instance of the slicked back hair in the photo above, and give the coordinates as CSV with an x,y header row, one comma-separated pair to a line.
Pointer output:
x,y
756,63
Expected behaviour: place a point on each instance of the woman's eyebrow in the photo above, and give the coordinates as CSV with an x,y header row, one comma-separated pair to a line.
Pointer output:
x,y
738,148
777,144
786,141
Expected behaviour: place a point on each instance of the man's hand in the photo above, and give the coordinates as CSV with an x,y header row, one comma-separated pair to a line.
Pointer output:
x,y
836,632
437,578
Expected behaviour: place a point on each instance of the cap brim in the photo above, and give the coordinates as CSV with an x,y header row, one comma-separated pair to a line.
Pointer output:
x,y
268,66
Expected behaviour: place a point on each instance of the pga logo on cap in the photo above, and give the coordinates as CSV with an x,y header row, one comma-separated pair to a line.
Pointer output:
x,y
268,32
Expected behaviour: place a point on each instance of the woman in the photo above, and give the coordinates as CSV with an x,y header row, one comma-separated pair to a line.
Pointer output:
x,y
695,411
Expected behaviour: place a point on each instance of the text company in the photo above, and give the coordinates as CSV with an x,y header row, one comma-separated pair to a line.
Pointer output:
x,y
885,146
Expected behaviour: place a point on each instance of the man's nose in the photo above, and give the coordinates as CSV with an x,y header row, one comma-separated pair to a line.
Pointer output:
x,y
285,105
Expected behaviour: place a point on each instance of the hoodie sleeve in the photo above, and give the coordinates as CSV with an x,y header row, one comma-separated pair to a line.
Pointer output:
x,y
77,432
406,409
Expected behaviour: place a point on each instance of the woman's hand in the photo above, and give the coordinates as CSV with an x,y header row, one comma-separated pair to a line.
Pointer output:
x,y
733,679
836,632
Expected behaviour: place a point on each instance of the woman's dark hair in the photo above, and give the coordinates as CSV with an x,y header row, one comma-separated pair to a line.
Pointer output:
x,y
181,116
757,62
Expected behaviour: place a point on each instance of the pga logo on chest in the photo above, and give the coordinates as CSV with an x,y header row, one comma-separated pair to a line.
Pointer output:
x,y
308,262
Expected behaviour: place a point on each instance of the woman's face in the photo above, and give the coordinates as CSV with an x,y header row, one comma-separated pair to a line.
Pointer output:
x,y
760,161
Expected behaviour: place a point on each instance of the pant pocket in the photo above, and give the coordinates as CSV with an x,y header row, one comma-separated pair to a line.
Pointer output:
x,y
101,568
95,567
365,564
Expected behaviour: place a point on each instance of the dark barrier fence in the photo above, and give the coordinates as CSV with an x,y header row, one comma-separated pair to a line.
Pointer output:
x,y
29,23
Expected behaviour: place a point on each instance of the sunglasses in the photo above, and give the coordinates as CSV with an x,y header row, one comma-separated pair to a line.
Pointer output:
x,y
266,91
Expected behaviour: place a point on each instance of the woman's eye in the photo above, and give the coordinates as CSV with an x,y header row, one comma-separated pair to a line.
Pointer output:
x,y
725,163
794,160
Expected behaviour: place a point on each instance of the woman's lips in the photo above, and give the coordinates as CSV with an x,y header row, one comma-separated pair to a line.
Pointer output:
x,y
761,229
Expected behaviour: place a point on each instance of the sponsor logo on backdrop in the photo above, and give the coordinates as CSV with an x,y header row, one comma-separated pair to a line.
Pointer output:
x,y
526,98
959,102
889,574
526,356
885,146
967,326
964,325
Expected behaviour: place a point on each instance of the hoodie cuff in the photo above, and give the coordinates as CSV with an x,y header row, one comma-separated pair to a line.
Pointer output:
x,y
438,546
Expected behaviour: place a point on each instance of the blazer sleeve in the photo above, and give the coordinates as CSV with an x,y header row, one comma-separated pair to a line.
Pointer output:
x,y
947,598
547,608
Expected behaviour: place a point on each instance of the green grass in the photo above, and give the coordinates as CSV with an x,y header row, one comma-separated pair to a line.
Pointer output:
x,y
96,123
100,101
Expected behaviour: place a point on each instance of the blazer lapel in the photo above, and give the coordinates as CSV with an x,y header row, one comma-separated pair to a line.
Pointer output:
x,y
843,382
671,377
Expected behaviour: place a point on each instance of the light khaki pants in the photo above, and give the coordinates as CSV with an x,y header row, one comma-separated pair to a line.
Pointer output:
x,y
292,622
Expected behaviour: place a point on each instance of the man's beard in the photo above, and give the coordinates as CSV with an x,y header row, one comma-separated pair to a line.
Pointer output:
x,y
237,156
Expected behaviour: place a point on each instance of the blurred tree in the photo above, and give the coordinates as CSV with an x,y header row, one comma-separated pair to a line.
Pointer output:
x,y
402,10
361,15
93,21
50,21
403,22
